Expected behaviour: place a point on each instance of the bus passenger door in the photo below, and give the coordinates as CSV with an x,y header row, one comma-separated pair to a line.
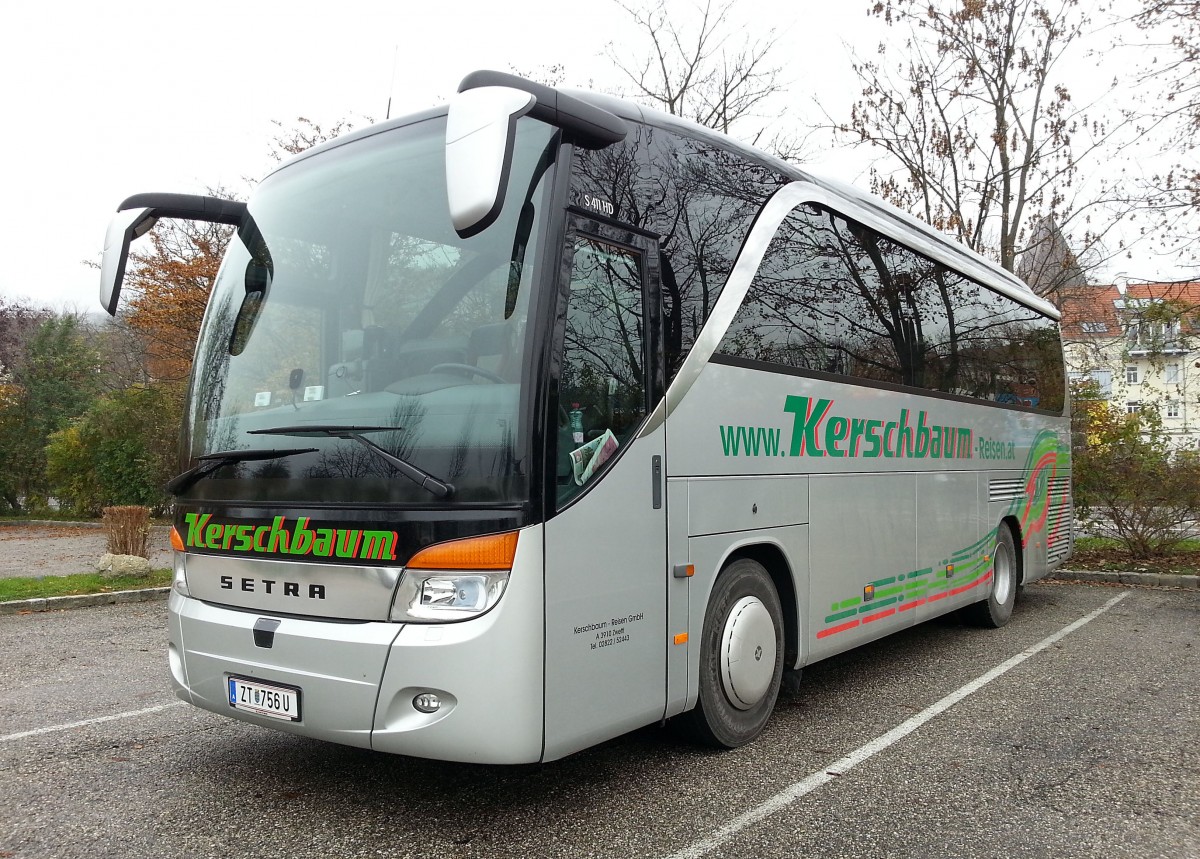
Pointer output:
x,y
605,540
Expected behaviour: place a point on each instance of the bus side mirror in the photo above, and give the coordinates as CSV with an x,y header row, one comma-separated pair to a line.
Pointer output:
x,y
480,129
122,230
138,214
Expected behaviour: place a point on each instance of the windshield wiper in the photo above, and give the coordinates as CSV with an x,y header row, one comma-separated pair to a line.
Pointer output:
x,y
211,462
439,488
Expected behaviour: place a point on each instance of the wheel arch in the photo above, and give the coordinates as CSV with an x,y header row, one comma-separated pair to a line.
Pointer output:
x,y
775,562
1014,528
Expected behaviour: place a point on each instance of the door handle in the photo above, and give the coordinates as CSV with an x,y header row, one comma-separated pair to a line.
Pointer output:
x,y
656,476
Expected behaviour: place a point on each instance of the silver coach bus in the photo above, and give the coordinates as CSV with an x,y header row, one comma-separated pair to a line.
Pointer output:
x,y
518,425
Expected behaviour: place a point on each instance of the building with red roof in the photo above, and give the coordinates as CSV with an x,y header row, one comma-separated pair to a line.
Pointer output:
x,y
1140,345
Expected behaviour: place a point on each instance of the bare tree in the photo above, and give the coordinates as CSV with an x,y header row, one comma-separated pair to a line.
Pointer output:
x,y
984,137
1170,85
551,74
704,67
304,134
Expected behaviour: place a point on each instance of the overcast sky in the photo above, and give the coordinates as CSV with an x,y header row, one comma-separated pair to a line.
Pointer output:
x,y
102,100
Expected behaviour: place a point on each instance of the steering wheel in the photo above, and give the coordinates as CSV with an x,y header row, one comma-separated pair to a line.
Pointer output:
x,y
470,370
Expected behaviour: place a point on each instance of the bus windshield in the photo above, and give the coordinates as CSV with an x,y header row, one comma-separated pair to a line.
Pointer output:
x,y
351,326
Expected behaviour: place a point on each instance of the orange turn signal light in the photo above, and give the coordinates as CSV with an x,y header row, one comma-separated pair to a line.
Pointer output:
x,y
681,638
493,552
176,540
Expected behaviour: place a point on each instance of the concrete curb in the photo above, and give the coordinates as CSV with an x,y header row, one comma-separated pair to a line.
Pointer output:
x,y
83,600
1160,580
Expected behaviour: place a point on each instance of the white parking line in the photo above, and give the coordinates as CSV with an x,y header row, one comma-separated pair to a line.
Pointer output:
x,y
55,728
842,766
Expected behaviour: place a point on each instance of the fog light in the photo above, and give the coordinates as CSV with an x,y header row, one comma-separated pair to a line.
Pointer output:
x,y
427,702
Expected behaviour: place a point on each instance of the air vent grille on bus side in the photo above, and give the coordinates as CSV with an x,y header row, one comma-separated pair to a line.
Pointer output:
x,y
1058,524
1006,489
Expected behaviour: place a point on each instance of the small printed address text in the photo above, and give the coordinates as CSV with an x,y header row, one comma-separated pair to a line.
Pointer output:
x,y
608,633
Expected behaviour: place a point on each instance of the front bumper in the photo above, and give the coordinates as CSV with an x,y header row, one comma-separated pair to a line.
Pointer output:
x,y
358,679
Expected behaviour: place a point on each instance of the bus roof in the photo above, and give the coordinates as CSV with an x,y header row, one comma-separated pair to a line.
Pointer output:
x,y
883,216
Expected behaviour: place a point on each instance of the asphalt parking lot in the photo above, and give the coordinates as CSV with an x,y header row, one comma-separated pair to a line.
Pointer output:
x,y
1069,733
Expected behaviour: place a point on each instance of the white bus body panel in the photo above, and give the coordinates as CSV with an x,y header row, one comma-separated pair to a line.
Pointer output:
x,y
489,670
920,530
607,579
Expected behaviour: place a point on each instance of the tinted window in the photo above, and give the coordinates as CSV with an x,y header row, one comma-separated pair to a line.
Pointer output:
x,y
602,389
372,312
698,197
835,297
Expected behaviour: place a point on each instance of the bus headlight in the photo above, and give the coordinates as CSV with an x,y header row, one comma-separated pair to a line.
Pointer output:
x,y
470,593
442,597
457,580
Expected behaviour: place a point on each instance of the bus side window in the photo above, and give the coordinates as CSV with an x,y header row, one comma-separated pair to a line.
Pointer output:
x,y
602,388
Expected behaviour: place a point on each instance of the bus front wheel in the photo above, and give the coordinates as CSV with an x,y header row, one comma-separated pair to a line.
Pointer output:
x,y
995,611
741,657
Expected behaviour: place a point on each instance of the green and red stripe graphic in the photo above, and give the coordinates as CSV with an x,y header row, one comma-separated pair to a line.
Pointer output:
x,y
968,568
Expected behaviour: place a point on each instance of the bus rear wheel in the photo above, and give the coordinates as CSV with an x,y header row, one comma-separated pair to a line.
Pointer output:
x,y
996,610
741,658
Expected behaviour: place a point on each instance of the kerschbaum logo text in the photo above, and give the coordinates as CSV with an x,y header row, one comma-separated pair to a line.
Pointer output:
x,y
817,430
284,538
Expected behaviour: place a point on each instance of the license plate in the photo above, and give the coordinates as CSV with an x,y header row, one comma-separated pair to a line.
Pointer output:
x,y
265,699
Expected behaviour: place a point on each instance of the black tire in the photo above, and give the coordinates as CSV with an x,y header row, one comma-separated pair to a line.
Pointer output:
x,y
996,610
744,615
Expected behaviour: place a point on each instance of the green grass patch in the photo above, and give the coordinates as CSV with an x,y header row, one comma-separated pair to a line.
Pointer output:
x,y
45,516
35,587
